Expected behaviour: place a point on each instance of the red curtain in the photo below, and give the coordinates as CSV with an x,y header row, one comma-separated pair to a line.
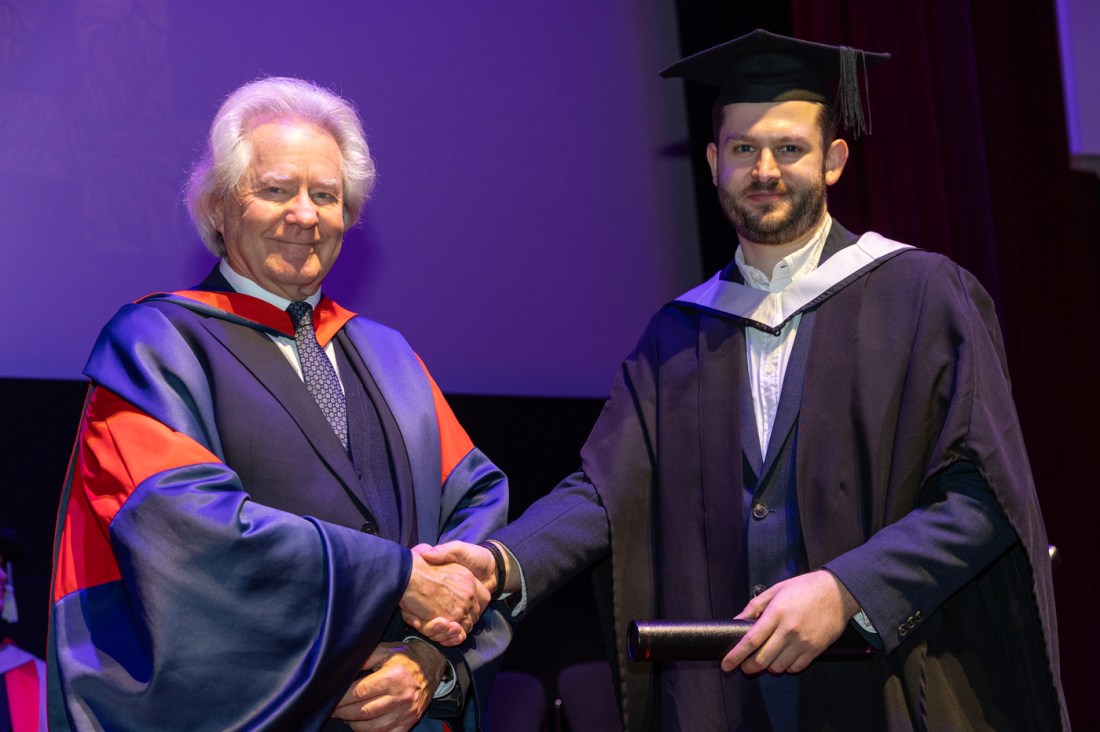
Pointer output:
x,y
969,157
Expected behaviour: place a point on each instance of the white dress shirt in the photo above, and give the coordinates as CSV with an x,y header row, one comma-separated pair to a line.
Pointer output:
x,y
287,345
767,354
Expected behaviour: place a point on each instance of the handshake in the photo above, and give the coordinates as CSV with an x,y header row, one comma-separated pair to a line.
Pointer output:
x,y
449,588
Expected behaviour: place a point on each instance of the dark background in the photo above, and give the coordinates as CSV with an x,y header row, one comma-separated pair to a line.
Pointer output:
x,y
968,157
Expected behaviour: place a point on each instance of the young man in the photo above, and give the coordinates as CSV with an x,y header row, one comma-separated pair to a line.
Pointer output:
x,y
822,435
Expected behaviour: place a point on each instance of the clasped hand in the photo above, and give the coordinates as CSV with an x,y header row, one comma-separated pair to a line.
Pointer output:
x,y
444,599
395,690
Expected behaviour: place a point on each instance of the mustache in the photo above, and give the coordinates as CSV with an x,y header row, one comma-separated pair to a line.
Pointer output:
x,y
771,186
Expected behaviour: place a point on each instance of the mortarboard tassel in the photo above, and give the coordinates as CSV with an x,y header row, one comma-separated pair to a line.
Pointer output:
x,y
10,613
848,96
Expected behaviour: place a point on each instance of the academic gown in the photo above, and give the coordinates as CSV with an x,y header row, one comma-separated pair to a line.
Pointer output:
x,y
216,566
23,687
905,376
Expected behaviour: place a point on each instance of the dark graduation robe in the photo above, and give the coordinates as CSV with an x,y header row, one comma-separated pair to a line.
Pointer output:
x,y
905,377
216,564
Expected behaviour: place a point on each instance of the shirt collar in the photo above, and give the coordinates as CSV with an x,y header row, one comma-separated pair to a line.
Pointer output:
x,y
793,266
245,286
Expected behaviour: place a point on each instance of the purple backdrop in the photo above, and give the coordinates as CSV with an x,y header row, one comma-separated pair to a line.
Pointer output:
x,y
1078,28
534,204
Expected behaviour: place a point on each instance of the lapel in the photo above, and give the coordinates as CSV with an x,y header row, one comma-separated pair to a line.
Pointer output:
x,y
750,433
790,399
404,386
395,442
255,351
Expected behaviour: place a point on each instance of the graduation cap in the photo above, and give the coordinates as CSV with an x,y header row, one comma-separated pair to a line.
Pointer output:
x,y
767,67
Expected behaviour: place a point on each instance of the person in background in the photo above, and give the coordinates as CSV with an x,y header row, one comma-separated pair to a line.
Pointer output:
x,y
257,470
820,437
22,675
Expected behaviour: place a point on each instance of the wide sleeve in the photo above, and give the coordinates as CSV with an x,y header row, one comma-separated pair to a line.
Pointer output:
x,y
601,517
607,503
179,603
908,569
976,482
570,529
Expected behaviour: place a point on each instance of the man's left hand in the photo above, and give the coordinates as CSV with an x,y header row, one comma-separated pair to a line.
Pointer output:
x,y
796,620
397,692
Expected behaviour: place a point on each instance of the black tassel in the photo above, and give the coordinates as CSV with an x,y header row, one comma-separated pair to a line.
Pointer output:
x,y
848,96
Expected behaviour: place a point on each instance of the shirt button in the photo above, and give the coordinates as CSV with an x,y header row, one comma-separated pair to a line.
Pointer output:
x,y
757,590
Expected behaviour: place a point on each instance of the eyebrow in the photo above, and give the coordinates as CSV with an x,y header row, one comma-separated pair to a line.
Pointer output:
x,y
272,176
783,139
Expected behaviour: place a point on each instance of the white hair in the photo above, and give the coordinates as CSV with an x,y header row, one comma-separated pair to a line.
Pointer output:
x,y
228,154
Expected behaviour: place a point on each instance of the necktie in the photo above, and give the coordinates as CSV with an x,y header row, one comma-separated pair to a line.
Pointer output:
x,y
317,371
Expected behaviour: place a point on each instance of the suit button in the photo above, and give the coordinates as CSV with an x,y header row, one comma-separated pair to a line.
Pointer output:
x,y
758,590
917,616
369,527
903,629
759,511
911,622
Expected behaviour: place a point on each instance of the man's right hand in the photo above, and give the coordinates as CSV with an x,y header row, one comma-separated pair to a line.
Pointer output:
x,y
473,557
442,601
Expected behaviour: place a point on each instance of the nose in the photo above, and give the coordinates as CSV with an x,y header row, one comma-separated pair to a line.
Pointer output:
x,y
766,167
302,212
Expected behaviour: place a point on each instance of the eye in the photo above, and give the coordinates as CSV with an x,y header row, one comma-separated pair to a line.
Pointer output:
x,y
789,149
744,148
325,197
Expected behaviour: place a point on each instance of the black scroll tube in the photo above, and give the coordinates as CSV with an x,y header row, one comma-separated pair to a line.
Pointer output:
x,y
711,640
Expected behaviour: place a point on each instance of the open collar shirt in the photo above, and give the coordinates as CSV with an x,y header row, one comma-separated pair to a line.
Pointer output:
x,y
768,355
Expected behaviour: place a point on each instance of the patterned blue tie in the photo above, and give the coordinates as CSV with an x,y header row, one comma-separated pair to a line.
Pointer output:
x,y
317,371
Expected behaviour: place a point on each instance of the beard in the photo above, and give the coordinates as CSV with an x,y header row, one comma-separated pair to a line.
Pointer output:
x,y
762,224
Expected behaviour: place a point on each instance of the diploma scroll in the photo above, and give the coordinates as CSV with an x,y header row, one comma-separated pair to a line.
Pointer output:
x,y
710,640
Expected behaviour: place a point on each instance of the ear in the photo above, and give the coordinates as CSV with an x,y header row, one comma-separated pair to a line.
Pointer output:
x,y
835,159
219,214
712,160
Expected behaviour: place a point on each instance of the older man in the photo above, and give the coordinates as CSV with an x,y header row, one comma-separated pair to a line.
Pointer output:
x,y
253,466
821,436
